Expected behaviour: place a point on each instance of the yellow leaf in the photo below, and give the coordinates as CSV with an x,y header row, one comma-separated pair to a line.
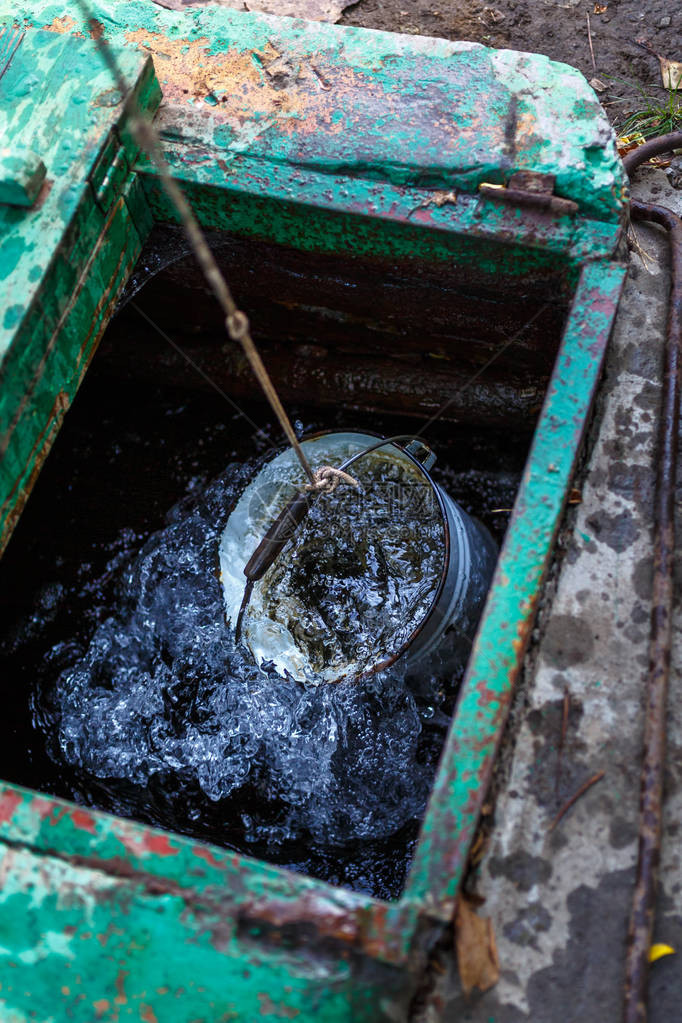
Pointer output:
x,y
658,951
626,143
477,959
671,73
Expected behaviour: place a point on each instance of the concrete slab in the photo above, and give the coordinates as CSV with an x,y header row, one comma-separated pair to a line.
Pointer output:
x,y
560,900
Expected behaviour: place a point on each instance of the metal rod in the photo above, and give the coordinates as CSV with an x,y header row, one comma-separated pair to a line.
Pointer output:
x,y
662,144
653,763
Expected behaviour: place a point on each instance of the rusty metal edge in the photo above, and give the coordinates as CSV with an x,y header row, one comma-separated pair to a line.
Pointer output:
x,y
467,761
640,928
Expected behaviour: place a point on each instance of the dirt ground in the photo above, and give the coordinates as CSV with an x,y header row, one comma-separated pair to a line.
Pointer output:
x,y
557,28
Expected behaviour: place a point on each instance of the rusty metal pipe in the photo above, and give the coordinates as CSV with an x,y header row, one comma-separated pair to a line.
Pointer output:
x,y
654,147
653,764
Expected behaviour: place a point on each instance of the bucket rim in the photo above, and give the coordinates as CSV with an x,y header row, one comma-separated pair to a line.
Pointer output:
x,y
390,659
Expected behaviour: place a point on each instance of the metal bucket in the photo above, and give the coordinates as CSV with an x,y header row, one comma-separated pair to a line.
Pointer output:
x,y
442,639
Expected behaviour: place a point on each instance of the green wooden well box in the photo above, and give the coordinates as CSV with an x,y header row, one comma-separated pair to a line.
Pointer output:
x,y
496,170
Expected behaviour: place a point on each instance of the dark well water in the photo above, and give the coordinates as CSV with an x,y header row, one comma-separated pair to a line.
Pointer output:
x,y
124,688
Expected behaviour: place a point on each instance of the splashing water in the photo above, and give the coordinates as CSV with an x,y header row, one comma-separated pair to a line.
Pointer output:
x,y
162,697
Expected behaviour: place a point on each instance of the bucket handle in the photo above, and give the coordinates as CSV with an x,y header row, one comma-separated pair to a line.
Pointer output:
x,y
292,515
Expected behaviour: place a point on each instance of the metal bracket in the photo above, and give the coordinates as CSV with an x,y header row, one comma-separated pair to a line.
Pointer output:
x,y
422,452
530,189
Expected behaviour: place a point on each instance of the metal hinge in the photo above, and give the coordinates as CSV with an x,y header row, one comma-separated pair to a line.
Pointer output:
x,y
531,189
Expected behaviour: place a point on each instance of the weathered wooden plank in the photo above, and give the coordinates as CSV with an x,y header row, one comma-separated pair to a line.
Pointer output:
x,y
79,944
64,259
336,100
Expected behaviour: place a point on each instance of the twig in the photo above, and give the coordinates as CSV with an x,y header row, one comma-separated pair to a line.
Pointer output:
x,y
589,39
648,47
562,737
576,796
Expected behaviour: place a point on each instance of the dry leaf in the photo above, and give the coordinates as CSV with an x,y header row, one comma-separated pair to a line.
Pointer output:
x,y
626,143
600,8
477,959
477,849
313,10
671,73
575,496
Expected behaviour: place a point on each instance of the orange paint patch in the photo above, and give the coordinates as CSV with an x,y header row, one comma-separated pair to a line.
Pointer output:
x,y
262,86
64,24
186,70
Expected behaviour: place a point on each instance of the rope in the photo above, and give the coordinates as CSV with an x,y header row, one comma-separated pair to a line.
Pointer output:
x,y
236,322
327,478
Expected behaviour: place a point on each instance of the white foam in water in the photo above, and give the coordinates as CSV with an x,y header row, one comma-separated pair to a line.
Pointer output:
x,y
162,691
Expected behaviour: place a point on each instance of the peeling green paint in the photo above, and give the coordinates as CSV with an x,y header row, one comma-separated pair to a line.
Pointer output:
x,y
53,317
405,107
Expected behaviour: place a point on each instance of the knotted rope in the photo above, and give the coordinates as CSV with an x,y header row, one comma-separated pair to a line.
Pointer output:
x,y
327,478
236,322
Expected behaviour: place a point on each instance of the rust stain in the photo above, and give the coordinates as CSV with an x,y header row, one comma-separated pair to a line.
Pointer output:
x,y
147,1014
83,821
96,29
158,844
100,1006
272,1009
9,801
111,931
330,920
186,71
258,85
120,998
205,854
42,807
